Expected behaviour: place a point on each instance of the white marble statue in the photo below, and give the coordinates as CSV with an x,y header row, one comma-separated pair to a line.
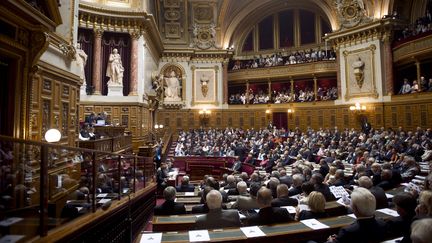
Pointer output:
x,y
172,89
81,61
115,68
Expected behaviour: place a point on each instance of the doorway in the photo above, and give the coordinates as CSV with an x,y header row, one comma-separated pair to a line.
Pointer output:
x,y
280,119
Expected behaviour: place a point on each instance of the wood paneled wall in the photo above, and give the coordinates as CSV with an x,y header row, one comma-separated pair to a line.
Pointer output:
x,y
54,103
408,111
134,116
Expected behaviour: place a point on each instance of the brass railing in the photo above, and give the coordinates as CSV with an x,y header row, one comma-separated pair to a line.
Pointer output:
x,y
43,186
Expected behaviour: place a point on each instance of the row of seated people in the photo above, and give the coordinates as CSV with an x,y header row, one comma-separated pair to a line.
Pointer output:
x,y
416,87
420,26
279,59
271,196
284,96
280,146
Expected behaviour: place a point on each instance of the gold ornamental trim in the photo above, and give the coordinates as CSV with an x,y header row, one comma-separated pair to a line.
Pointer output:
x,y
294,70
106,19
413,48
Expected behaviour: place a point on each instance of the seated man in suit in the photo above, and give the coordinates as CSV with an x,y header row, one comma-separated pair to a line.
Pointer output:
x,y
241,189
268,214
366,228
185,186
282,197
217,217
237,165
297,184
169,207
378,192
248,202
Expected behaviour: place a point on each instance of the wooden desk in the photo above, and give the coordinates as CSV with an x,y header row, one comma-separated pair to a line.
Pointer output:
x,y
288,232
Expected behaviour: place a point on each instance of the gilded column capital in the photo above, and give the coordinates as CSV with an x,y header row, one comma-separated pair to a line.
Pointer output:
x,y
98,32
135,35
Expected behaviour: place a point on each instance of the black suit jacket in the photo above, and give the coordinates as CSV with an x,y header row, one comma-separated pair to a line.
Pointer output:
x,y
325,190
185,188
363,231
170,208
380,197
270,215
294,191
306,214
284,201
218,218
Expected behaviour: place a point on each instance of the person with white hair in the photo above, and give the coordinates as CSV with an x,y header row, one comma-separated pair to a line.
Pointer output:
x,y
366,228
421,231
217,217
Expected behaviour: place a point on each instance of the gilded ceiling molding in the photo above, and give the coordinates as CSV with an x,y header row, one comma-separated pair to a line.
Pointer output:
x,y
380,29
96,17
189,55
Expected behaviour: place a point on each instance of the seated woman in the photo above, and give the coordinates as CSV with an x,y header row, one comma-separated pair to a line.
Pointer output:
x,y
316,203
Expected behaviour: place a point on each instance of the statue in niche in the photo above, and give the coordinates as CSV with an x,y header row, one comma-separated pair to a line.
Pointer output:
x,y
115,68
172,87
358,67
81,61
204,84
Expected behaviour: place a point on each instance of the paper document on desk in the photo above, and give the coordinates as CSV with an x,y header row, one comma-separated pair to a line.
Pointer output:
x,y
389,196
253,231
388,211
104,200
314,224
198,235
11,238
290,209
338,191
189,194
102,195
10,221
151,238
352,216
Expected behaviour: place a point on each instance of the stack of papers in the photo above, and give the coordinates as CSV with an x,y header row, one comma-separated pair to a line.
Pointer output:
x,y
198,235
338,191
290,209
388,211
189,194
253,231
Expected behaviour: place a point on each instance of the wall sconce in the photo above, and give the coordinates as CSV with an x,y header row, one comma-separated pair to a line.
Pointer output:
x,y
357,107
52,135
158,126
290,112
204,116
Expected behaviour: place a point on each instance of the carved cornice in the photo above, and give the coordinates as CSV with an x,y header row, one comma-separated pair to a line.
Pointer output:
x,y
107,19
298,70
381,29
413,48
191,55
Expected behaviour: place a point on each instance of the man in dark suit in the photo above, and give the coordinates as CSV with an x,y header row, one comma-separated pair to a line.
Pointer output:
x,y
366,228
378,192
319,186
185,186
297,183
217,217
386,180
339,178
169,207
405,206
237,166
282,197
248,202
268,214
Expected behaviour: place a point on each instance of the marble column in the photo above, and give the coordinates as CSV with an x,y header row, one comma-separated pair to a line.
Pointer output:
x,y
134,63
225,80
418,69
97,67
315,87
388,68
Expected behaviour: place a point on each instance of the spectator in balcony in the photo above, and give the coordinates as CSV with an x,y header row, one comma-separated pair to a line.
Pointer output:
x,y
406,87
415,87
430,85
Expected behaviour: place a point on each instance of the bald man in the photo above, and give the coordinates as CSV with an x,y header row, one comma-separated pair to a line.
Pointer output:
x,y
268,214
217,217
